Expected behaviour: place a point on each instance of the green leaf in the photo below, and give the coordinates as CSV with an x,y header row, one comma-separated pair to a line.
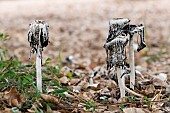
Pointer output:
x,y
46,79
145,98
62,95
60,90
47,61
3,36
10,73
70,75
29,65
132,98
122,106
15,110
148,103
89,105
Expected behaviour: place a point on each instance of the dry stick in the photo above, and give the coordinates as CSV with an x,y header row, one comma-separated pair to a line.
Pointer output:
x,y
121,82
132,92
38,69
132,62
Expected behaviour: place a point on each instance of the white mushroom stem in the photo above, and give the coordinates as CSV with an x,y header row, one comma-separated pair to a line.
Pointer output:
x,y
132,62
38,70
121,82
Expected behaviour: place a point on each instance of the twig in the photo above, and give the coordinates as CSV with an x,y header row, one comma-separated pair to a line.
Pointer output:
x,y
132,92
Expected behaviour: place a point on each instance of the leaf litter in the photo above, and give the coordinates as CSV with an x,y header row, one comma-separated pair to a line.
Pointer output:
x,y
84,70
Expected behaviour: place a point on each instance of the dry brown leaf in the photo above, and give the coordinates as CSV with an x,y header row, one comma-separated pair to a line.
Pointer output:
x,y
64,80
158,111
158,82
111,112
65,70
74,81
122,100
105,92
111,84
101,109
31,110
6,110
1,94
76,89
149,89
162,77
168,89
68,95
134,110
49,98
145,82
14,102
112,100
84,85
85,95
102,84
113,108
13,97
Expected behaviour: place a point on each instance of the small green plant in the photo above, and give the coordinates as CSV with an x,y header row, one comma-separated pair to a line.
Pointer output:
x,y
3,36
148,102
50,70
132,98
121,106
15,110
14,73
3,51
90,105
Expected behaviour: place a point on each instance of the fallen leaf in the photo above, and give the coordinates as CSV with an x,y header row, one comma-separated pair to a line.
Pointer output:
x,y
105,92
64,80
14,102
76,89
134,110
68,95
111,84
114,108
84,85
168,89
6,110
101,109
13,97
65,70
74,81
86,95
49,98
149,90
162,77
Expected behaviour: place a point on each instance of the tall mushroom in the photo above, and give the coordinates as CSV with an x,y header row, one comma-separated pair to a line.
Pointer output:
x,y
115,46
132,30
117,58
38,39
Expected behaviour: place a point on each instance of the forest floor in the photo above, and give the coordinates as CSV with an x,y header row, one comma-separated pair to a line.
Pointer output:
x,y
78,30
